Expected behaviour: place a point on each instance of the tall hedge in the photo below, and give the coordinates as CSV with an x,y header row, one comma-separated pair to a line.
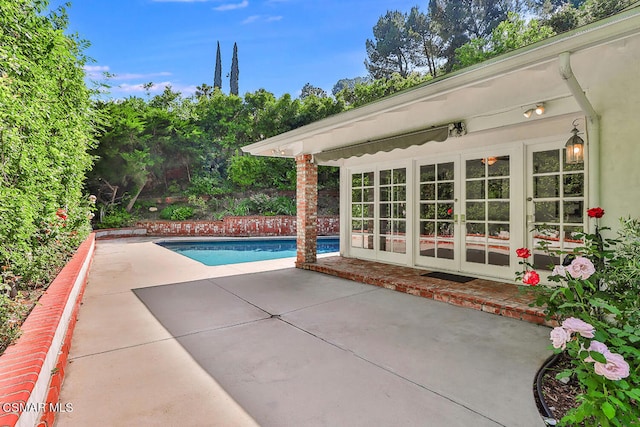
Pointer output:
x,y
46,129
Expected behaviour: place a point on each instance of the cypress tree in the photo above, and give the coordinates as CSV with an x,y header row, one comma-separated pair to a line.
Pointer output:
x,y
217,78
234,71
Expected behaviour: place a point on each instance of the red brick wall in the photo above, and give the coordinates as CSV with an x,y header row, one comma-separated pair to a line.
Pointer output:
x,y
239,226
32,369
307,208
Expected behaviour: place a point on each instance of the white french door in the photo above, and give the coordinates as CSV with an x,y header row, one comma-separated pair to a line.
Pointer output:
x,y
469,208
491,212
438,228
378,203
556,211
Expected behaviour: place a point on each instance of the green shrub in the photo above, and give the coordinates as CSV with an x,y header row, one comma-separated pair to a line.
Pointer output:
x,y
116,218
10,313
176,213
207,186
283,205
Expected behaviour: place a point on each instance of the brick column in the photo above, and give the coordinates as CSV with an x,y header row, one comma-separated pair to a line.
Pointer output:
x,y
307,206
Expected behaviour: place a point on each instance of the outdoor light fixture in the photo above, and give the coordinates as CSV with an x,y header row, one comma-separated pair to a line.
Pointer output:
x,y
574,147
539,110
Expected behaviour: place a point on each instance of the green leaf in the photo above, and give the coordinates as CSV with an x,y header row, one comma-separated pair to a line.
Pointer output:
x,y
617,401
608,410
597,302
634,393
598,357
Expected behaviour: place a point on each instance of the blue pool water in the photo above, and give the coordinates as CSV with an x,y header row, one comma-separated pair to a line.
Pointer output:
x,y
238,251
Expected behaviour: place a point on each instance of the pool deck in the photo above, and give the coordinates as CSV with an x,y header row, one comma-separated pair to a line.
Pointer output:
x,y
165,340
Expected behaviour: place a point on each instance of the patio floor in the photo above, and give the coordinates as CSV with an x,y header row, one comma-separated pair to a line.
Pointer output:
x,y
504,299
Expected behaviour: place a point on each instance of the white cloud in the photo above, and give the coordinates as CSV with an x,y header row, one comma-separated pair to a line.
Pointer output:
x,y
251,19
256,18
232,6
132,76
96,68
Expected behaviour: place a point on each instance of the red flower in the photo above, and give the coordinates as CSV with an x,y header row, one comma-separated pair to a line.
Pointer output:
x,y
449,211
62,214
531,278
523,253
595,212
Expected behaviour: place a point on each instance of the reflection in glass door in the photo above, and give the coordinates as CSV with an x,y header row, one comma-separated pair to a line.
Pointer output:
x,y
362,210
393,210
436,219
487,217
558,210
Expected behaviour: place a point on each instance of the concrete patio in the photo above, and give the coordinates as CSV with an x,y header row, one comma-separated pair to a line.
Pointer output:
x,y
164,340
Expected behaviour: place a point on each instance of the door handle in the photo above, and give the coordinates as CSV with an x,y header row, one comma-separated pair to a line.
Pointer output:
x,y
462,219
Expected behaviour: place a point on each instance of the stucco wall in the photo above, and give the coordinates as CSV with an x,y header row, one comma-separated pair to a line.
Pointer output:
x,y
617,100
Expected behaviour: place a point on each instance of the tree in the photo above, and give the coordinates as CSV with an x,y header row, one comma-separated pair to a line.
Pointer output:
x,y
217,78
308,89
234,71
456,22
392,50
204,90
511,34
422,31
369,91
347,84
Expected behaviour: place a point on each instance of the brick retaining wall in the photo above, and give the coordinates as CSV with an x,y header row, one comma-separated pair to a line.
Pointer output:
x,y
239,226
32,369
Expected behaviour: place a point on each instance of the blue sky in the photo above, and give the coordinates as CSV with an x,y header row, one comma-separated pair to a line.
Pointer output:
x,y
282,44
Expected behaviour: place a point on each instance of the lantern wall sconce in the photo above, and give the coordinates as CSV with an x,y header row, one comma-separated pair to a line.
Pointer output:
x,y
539,110
574,147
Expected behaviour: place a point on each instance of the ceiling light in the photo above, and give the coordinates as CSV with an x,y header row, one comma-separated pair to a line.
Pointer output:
x,y
540,109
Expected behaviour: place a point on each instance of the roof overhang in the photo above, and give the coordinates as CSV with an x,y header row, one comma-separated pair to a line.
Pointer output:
x,y
489,95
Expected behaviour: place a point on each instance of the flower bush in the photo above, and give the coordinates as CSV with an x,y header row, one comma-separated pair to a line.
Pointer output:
x,y
597,300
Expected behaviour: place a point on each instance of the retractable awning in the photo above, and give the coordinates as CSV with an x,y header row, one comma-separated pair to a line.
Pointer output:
x,y
439,133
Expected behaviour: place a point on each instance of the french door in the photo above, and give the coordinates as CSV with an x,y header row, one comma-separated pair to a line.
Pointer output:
x,y
556,211
468,211
378,228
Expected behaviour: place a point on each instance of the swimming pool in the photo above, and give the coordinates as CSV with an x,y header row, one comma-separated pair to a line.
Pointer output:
x,y
237,251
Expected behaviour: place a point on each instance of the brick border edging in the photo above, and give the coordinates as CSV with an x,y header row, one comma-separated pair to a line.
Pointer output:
x,y
531,315
32,369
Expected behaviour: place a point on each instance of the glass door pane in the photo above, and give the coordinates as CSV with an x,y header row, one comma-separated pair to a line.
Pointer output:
x,y
393,210
436,211
487,190
557,193
362,210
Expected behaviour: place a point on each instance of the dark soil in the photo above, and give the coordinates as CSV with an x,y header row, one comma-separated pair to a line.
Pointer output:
x,y
559,397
